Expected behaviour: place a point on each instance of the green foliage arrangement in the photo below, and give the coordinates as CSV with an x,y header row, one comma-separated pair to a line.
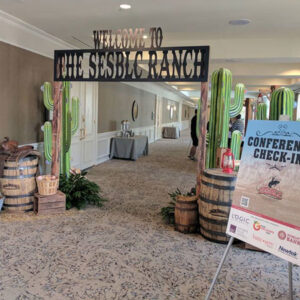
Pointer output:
x,y
80,191
168,212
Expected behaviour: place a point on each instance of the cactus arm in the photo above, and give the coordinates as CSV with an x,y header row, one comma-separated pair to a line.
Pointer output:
x,y
226,90
68,132
47,95
261,111
236,140
75,115
282,103
48,140
237,106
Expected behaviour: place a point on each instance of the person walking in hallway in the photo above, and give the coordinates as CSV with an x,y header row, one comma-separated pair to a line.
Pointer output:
x,y
194,136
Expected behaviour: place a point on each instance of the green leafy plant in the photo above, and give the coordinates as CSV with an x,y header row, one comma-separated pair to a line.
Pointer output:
x,y
168,212
80,191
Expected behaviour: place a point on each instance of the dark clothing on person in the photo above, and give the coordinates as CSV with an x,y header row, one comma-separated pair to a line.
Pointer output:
x,y
238,125
194,131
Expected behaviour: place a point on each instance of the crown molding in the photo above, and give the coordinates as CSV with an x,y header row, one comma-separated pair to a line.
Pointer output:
x,y
19,33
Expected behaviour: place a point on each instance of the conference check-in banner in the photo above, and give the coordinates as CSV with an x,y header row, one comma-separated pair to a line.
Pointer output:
x,y
265,210
171,64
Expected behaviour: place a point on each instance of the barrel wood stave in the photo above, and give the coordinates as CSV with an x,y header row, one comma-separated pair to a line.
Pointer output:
x,y
214,204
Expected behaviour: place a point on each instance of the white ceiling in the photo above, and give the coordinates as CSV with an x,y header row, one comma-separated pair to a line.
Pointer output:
x,y
265,52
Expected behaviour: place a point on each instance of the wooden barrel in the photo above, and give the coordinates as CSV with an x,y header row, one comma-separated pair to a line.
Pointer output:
x,y
214,204
18,184
186,214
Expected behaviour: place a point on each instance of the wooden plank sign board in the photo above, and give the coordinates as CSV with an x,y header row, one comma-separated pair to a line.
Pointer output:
x,y
265,210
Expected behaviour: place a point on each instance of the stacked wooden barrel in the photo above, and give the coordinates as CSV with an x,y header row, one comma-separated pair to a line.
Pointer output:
x,y
18,183
186,214
214,204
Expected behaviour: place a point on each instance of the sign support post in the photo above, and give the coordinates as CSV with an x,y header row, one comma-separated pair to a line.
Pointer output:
x,y
290,271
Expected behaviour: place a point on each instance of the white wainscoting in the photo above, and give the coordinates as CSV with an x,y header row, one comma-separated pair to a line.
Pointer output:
x,y
185,124
103,144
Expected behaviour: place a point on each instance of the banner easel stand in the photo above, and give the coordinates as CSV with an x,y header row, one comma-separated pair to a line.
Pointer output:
x,y
290,271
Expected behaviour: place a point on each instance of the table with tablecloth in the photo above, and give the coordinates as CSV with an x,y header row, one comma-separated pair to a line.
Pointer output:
x,y
129,147
171,132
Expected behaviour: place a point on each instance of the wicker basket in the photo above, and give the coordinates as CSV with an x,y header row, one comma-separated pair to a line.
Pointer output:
x,y
47,185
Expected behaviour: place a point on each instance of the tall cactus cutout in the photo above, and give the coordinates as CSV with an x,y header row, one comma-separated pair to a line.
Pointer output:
x,y
261,112
70,121
236,140
282,103
220,112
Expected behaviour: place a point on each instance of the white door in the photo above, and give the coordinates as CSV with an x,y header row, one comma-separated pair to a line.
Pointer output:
x,y
84,142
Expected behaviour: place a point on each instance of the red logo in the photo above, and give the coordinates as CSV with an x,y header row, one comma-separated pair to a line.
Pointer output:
x,y
276,194
256,226
281,235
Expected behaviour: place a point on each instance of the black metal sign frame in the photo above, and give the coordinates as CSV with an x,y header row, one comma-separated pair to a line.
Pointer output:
x,y
115,65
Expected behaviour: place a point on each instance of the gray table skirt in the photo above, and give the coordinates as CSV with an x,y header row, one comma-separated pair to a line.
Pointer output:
x,y
171,132
129,148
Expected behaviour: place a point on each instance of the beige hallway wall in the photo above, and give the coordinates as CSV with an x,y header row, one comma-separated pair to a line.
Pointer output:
x,y
115,105
21,107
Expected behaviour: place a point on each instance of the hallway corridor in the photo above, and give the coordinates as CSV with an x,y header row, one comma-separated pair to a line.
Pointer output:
x,y
125,250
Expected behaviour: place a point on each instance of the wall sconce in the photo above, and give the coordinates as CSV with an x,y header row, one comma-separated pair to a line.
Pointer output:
x,y
168,107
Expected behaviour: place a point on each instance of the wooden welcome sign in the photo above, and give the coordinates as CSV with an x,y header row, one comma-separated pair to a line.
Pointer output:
x,y
118,55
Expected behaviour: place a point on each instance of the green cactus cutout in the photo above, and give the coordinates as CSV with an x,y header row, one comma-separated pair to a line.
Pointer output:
x,y
70,122
220,112
236,140
48,140
261,111
47,95
237,106
282,103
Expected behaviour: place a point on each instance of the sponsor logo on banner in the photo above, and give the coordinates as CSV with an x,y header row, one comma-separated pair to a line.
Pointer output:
x,y
293,239
240,219
289,237
232,228
287,251
257,227
282,234
267,243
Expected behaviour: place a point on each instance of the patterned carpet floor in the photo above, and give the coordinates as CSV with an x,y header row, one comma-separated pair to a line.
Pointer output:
x,y
124,250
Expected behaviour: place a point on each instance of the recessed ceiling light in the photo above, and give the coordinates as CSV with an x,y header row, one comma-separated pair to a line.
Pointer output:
x,y
125,6
239,22
145,36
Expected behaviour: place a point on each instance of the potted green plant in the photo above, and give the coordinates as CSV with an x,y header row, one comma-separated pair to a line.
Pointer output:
x,y
79,190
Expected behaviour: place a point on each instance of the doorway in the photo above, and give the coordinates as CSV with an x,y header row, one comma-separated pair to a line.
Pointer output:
x,y
84,142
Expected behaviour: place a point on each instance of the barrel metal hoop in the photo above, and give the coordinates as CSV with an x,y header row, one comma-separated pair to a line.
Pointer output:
x,y
212,239
21,196
186,202
28,158
19,177
219,177
17,205
212,221
218,203
21,168
218,187
217,233
177,224
186,209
